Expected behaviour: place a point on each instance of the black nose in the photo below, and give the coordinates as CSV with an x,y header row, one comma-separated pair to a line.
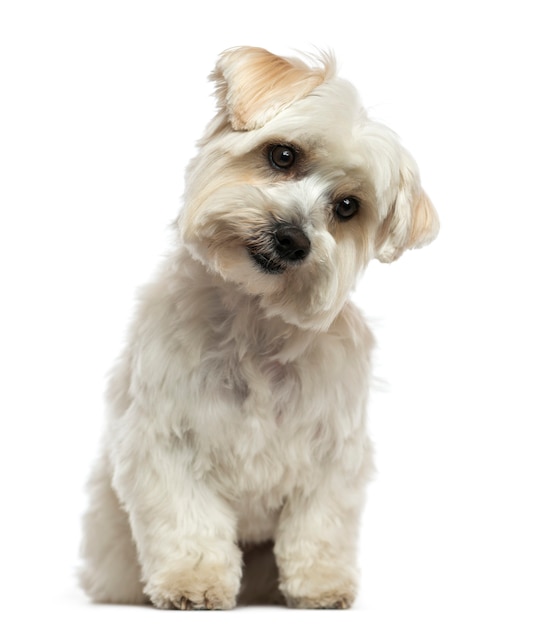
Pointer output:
x,y
291,243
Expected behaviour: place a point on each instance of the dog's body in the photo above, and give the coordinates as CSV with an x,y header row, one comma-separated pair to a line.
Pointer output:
x,y
237,411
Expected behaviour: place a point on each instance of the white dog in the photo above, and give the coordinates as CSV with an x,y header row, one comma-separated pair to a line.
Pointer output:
x,y
236,454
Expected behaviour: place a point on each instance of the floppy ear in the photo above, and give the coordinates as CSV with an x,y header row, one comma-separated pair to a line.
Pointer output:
x,y
253,85
412,221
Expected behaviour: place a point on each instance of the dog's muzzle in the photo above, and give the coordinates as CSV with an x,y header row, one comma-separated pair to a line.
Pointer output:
x,y
285,245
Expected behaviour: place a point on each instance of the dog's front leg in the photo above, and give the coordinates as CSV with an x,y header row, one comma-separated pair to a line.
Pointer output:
x,y
315,548
184,531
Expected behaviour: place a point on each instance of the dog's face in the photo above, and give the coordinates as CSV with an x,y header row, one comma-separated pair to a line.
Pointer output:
x,y
295,190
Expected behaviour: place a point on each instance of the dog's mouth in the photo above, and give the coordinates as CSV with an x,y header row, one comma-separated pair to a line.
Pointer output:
x,y
267,263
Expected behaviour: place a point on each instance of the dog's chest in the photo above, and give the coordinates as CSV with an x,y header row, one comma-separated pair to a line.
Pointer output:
x,y
271,405
258,395
272,423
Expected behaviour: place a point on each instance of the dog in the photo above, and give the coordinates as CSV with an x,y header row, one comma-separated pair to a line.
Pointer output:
x,y
236,455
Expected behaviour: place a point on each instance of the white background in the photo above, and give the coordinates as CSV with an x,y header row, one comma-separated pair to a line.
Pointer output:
x,y
101,103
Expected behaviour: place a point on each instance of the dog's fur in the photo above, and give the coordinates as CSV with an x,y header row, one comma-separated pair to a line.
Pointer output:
x,y
236,454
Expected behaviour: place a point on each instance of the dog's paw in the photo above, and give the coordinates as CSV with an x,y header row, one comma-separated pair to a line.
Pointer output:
x,y
320,588
329,600
208,587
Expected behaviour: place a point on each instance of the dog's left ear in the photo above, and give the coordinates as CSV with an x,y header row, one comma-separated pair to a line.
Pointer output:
x,y
412,221
253,85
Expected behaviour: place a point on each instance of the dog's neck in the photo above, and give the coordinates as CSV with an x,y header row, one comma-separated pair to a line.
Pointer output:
x,y
231,315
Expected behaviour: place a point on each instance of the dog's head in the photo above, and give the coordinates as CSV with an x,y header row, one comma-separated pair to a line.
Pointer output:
x,y
294,190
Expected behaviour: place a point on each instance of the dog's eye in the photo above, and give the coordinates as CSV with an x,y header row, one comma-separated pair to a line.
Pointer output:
x,y
282,157
345,209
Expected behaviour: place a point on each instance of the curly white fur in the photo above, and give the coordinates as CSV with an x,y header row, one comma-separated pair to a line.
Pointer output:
x,y
237,423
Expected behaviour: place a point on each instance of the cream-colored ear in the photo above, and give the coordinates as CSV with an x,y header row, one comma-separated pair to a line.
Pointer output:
x,y
253,85
412,221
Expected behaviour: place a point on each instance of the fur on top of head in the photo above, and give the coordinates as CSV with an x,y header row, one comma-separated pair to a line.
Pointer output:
x,y
237,195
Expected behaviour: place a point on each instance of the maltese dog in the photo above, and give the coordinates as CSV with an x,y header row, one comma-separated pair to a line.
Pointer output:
x,y
236,454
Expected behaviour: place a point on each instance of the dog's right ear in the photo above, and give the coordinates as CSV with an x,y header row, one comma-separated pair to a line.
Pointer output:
x,y
253,85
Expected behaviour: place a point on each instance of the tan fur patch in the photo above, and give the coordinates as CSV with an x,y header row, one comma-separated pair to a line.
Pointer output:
x,y
425,223
211,586
253,85
400,232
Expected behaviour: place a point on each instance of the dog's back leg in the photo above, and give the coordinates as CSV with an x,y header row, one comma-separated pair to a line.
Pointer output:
x,y
110,571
